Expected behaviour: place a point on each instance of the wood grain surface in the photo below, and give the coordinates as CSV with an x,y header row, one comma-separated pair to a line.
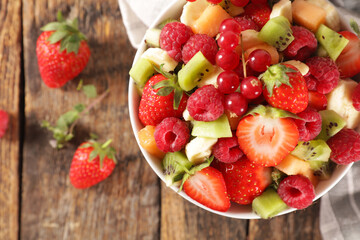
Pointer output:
x,y
37,200
10,78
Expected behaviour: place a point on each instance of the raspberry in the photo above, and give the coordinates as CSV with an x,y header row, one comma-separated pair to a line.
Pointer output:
x,y
200,42
4,122
324,74
356,97
296,191
171,135
310,124
227,150
205,104
246,23
345,146
172,37
259,13
303,45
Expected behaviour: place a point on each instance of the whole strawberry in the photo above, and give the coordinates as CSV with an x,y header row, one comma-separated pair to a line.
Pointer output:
x,y
285,88
91,164
244,180
62,52
162,98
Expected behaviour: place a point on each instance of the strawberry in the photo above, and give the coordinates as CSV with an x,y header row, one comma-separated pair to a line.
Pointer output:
x,y
267,135
207,187
244,180
4,122
348,61
285,88
62,52
259,13
317,100
159,100
91,164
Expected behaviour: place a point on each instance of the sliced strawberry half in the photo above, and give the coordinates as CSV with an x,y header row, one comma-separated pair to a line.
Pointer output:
x,y
349,60
317,100
244,180
208,188
267,136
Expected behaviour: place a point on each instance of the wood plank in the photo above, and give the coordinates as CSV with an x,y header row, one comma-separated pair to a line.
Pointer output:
x,y
124,206
181,219
10,77
303,224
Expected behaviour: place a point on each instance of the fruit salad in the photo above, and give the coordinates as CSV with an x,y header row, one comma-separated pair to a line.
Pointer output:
x,y
250,102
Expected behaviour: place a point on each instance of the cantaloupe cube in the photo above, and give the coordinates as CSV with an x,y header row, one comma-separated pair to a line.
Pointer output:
x,y
210,20
308,14
147,141
270,49
292,165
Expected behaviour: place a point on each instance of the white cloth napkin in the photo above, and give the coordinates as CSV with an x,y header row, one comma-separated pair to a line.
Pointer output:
x,y
340,208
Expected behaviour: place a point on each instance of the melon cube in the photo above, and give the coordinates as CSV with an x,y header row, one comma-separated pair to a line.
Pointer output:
x,y
308,14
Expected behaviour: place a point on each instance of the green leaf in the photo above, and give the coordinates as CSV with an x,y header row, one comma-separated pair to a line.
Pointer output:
x,y
60,17
57,36
165,91
75,23
93,136
63,43
276,75
66,119
93,155
79,107
355,27
90,91
69,136
164,83
53,26
177,98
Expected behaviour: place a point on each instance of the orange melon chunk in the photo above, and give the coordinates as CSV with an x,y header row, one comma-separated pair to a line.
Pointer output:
x,y
249,39
270,49
147,141
292,165
308,14
210,20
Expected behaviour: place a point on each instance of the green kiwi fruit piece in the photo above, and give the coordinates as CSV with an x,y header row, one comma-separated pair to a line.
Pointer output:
x,y
141,72
174,165
333,42
220,128
268,204
230,8
314,150
332,123
277,32
194,71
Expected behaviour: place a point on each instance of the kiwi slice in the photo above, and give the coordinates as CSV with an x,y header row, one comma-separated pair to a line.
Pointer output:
x,y
314,150
174,166
332,123
152,37
220,128
277,32
333,42
141,72
268,204
194,71
322,170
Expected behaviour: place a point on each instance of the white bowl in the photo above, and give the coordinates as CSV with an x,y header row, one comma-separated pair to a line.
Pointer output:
x,y
236,210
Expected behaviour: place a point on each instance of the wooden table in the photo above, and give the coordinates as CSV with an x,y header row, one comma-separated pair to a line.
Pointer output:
x,y
37,200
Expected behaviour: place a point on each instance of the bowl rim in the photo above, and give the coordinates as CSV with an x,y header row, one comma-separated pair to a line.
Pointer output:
x,y
236,211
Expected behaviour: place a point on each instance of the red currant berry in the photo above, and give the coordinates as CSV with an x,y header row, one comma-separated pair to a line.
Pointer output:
x,y
228,40
259,60
227,60
230,25
236,103
251,87
214,1
228,82
240,3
